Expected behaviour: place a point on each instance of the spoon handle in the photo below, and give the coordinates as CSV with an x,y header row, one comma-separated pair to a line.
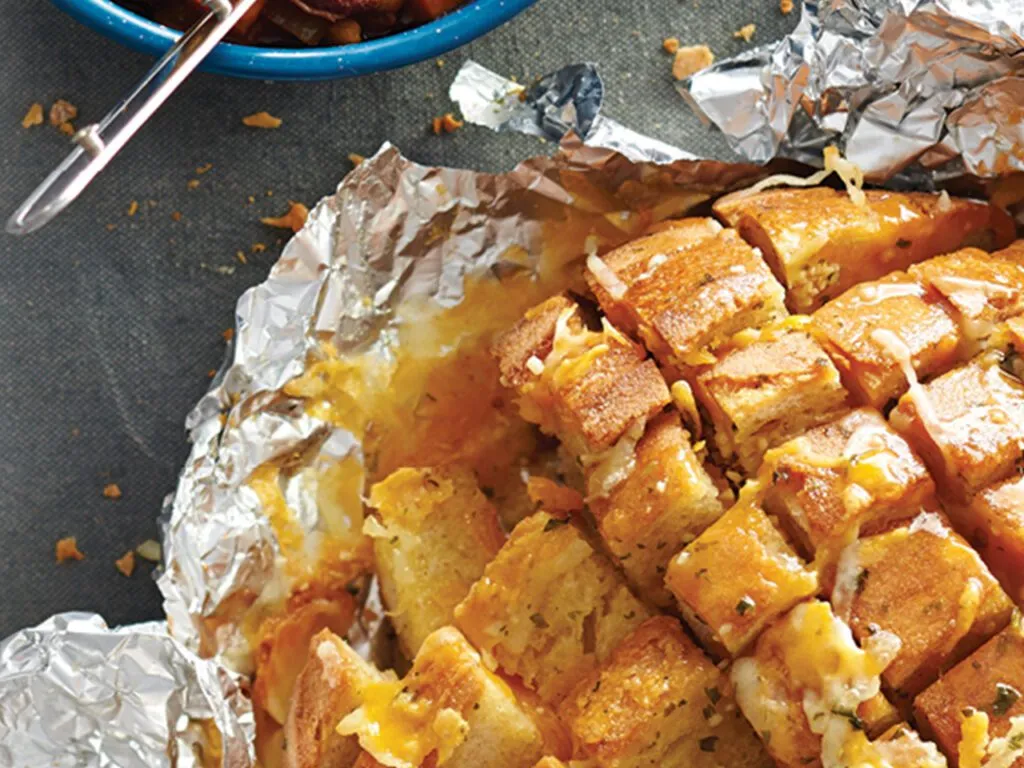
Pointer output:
x,y
97,144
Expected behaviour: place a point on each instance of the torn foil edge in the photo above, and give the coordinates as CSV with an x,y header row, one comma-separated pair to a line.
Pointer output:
x,y
74,692
913,91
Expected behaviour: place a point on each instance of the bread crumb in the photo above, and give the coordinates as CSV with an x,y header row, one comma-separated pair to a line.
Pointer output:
x,y
193,183
270,193
745,33
786,6
211,373
111,227
133,207
240,255
175,215
259,247
112,491
33,117
294,219
62,112
691,59
126,563
67,549
204,168
251,199
262,120
355,159
440,63
670,44
149,550
228,334
447,123
66,128
75,432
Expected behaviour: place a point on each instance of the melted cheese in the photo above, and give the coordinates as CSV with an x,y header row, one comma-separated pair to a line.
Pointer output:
x,y
686,403
851,175
606,277
401,731
918,395
610,467
973,739
977,750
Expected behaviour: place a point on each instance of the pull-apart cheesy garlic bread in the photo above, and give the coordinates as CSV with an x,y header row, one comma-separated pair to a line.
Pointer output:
x,y
789,527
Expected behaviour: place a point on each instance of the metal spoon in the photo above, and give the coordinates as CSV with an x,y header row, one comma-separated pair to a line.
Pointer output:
x,y
98,143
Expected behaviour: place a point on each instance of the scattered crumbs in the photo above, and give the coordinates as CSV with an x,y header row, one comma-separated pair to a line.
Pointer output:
x,y
126,563
251,199
690,60
262,120
211,373
67,129
440,63
259,247
111,227
112,491
240,255
62,112
786,6
33,117
228,334
204,168
67,549
193,183
175,215
447,123
133,207
149,550
75,432
224,269
294,219
745,33
152,203
355,159
270,193
670,44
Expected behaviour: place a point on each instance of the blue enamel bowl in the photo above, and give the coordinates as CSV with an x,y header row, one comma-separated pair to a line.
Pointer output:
x,y
433,39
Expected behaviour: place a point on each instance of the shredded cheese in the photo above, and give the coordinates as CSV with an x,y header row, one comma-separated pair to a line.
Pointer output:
x,y
851,175
606,277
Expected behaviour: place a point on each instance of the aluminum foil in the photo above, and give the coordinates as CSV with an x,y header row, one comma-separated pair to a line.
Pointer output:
x,y
931,83
75,694
922,91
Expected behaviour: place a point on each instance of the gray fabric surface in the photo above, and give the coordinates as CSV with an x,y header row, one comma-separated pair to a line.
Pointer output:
x,y
106,336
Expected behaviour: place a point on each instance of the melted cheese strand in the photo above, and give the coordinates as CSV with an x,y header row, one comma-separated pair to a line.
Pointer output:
x,y
851,175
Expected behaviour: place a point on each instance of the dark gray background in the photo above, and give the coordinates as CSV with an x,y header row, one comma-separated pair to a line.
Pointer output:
x,y
106,336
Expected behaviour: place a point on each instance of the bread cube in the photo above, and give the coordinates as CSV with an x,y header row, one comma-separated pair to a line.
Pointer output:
x,y
760,394
662,505
981,289
657,700
636,262
856,330
842,477
284,638
736,577
990,680
685,294
804,676
332,684
449,709
433,533
820,242
967,425
548,608
585,387
923,583
994,525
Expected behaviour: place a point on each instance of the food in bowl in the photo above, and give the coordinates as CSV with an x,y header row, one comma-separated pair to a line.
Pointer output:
x,y
771,458
287,23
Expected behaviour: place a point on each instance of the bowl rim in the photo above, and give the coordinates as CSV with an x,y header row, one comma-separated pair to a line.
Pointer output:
x,y
408,47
